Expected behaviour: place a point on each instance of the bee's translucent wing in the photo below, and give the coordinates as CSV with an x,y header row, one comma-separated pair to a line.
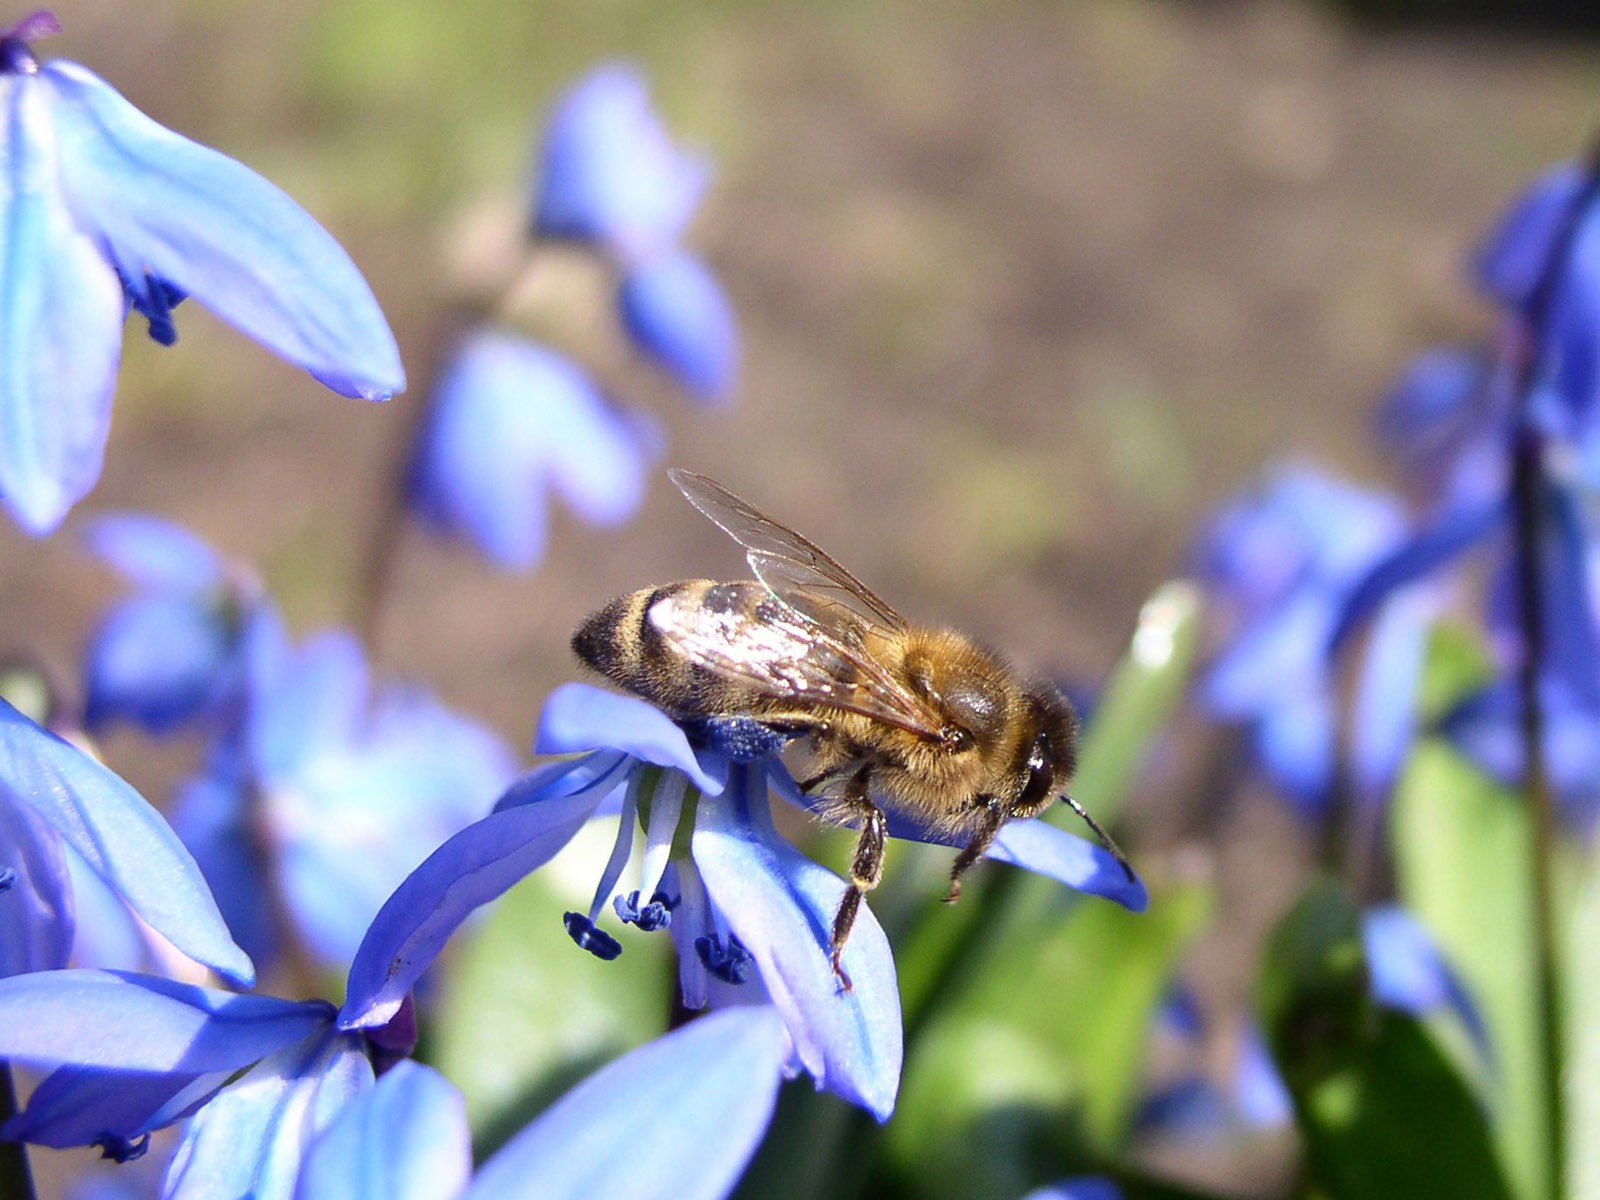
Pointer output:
x,y
783,655
793,567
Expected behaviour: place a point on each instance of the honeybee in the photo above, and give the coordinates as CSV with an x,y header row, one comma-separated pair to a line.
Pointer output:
x,y
910,718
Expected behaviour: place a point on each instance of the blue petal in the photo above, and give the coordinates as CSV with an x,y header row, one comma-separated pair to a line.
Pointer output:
x,y
781,905
509,419
1570,618
120,836
404,1139
1190,1107
1263,1100
1408,972
1296,745
1040,847
1282,652
317,704
1432,402
157,660
676,1119
107,934
578,716
1079,1187
125,1022
1515,256
155,553
609,173
77,1106
472,868
1383,716
36,907
197,219
213,816
679,317
60,324
251,1140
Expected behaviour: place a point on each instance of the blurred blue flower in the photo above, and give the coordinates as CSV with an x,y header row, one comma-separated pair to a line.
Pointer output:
x,y
1079,1187
509,421
708,1089
54,797
1282,563
1409,974
131,1054
329,793
608,172
173,651
677,315
107,209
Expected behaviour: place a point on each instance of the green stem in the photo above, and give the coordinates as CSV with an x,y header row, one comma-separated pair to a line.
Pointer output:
x,y
16,1179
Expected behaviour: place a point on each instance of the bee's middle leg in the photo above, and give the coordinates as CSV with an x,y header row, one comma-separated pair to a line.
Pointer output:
x,y
866,868
994,816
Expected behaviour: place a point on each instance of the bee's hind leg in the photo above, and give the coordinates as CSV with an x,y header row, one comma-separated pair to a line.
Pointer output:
x,y
866,868
993,817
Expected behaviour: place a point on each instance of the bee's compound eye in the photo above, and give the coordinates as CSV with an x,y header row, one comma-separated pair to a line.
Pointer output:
x,y
1041,775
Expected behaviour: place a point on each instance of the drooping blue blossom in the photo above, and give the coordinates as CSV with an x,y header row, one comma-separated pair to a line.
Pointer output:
x,y
106,210
1409,974
677,315
55,798
509,423
330,791
172,652
1079,1187
676,1119
258,1077
1282,563
609,174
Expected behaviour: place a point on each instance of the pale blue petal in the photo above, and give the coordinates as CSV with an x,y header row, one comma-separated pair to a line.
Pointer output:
x,y
153,552
107,935
318,703
36,909
1433,401
678,316
1079,1187
1263,1100
249,1142
197,219
404,1139
123,839
676,1119
212,814
1296,744
1041,847
578,716
1281,653
128,1022
1408,972
157,660
1383,719
60,323
1515,256
77,1106
781,906
472,868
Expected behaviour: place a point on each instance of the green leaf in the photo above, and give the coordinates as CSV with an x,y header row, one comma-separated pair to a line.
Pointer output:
x,y
525,1013
1383,1111
1583,1032
1461,858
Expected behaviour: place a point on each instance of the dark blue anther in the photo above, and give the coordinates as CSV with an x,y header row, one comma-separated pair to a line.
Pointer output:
x,y
728,961
16,57
154,299
739,739
119,1149
653,916
596,941
8,876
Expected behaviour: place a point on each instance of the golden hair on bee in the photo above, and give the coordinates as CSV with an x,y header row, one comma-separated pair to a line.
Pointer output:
x,y
893,716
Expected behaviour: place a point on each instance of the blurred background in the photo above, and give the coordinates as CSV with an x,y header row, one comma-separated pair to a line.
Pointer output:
x,y
1025,290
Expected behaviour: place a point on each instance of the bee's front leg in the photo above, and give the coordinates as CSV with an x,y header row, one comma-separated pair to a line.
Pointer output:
x,y
994,816
865,869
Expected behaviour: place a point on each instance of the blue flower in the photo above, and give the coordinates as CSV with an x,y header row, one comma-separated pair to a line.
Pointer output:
x,y
1283,563
105,209
677,315
131,1054
509,421
330,793
609,174
1407,973
1079,1187
751,917
55,798
676,1119
173,651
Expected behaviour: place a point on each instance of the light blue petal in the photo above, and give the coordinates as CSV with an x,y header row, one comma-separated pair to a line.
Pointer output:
x,y
125,1022
1282,652
170,208
1383,719
1408,972
76,1106
153,552
36,922
107,935
60,323
608,171
404,1139
578,716
1079,1187
676,1119
678,316
1041,847
120,836
1436,396
1296,745
1514,257
318,703
1263,1100
157,660
472,868
213,817
781,905
249,1142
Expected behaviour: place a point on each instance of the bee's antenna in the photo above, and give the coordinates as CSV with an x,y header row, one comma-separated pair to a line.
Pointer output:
x,y
1105,838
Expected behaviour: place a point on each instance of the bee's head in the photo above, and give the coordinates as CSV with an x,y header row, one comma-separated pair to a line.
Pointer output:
x,y
1048,754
